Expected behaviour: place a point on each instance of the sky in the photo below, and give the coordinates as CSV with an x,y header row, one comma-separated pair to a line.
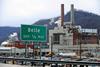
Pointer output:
x,y
17,12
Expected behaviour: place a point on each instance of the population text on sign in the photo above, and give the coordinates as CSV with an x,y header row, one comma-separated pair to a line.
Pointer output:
x,y
33,33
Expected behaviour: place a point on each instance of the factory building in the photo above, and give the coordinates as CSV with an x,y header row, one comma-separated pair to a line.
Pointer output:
x,y
70,37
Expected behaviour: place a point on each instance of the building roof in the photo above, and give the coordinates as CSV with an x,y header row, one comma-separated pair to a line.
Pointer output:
x,y
89,30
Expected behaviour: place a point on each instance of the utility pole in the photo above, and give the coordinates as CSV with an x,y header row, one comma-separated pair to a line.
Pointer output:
x,y
80,40
51,46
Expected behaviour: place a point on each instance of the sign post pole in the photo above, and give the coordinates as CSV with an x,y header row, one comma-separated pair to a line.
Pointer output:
x,y
25,49
33,54
40,49
51,46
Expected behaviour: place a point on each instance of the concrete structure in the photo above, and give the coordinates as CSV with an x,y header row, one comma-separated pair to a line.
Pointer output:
x,y
60,38
67,38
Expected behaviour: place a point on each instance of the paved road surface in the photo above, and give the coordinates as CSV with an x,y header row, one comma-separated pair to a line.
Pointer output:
x,y
10,65
13,65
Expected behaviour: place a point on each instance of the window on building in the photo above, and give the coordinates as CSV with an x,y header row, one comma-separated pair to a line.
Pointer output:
x,y
56,38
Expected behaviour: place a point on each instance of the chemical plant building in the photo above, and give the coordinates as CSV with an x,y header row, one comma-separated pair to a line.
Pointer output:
x,y
68,37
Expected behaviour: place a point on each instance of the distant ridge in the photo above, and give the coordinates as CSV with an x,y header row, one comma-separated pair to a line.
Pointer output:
x,y
85,19
6,31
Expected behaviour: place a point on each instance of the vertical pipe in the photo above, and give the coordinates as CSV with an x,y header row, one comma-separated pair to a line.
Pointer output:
x,y
72,14
62,14
72,19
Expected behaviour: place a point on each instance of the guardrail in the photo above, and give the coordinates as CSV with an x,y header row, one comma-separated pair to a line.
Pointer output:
x,y
84,63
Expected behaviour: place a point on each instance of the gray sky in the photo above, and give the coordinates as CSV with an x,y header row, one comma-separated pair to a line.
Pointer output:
x,y
16,12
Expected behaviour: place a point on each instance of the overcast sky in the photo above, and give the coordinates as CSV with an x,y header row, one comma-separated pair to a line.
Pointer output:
x,y
16,12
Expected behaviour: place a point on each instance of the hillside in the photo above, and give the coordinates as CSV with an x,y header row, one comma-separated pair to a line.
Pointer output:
x,y
85,19
6,31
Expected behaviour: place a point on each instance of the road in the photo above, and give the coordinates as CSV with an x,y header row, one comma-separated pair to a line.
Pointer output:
x,y
13,65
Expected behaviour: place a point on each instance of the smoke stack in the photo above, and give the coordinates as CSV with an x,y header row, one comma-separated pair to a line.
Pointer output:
x,y
72,14
62,14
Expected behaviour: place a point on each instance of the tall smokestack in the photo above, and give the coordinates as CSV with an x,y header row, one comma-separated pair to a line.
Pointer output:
x,y
62,14
72,14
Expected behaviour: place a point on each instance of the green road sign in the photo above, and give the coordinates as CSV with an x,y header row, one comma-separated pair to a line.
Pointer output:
x,y
33,33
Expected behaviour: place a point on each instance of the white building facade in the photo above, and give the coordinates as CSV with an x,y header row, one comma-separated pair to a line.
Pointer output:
x,y
63,39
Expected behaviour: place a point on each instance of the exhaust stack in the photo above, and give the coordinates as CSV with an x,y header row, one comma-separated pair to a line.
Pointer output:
x,y
72,14
62,14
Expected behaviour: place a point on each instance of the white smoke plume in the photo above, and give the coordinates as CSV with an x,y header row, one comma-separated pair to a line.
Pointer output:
x,y
13,37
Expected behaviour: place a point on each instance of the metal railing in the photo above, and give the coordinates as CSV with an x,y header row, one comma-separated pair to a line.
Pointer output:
x,y
44,62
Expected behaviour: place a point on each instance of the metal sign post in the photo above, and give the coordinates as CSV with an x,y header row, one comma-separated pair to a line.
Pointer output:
x,y
51,46
40,45
33,50
25,50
